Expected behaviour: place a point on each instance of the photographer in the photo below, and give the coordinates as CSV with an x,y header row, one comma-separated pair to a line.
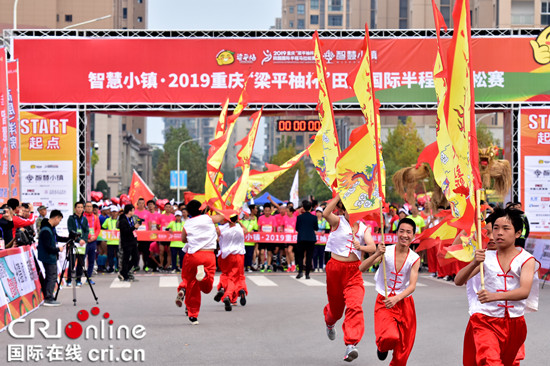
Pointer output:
x,y
78,224
21,222
48,253
127,224
6,226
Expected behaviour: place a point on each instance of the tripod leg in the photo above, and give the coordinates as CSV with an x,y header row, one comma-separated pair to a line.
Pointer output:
x,y
79,259
63,267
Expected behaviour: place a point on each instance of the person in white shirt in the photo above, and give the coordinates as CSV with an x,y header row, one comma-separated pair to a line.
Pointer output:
x,y
345,289
199,262
497,323
395,315
231,262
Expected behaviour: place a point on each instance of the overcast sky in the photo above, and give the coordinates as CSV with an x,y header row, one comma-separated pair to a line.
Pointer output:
x,y
209,15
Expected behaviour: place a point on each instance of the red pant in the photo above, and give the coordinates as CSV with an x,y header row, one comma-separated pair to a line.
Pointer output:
x,y
345,289
395,328
232,278
494,341
193,287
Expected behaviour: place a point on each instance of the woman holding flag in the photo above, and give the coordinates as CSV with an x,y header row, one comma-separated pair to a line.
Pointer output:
x,y
345,290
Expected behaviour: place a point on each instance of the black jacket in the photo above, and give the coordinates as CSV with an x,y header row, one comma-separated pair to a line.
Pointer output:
x,y
127,228
6,227
306,226
47,243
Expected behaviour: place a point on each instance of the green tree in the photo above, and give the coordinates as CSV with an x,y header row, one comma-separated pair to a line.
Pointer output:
x,y
155,157
400,150
485,137
103,187
192,159
280,188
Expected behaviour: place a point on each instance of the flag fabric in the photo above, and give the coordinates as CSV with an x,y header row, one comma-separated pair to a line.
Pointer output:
x,y
460,114
139,189
222,120
325,148
258,181
294,194
452,166
218,147
360,172
244,155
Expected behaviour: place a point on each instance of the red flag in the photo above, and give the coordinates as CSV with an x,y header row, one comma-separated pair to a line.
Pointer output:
x,y
139,189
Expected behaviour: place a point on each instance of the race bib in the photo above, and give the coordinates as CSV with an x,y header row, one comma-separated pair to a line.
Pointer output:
x,y
267,228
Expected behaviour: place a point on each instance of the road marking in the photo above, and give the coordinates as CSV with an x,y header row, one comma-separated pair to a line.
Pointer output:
x,y
310,282
418,284
120,284
262,281
368,284
169,281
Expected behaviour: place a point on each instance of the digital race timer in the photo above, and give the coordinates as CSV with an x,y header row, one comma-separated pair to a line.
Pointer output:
x,y
285,125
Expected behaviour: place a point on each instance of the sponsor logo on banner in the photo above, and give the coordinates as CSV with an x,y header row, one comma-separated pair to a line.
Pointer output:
x,y
88,328
534,168
282,70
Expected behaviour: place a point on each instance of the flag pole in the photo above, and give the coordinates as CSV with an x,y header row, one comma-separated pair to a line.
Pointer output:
x,y
380,195
478,230
383,255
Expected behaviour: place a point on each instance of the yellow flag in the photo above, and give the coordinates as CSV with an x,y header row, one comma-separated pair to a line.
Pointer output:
x,y
325,149
360,172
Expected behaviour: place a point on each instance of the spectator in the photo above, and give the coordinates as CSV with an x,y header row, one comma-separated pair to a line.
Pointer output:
x,y
402,214
418,220
306,226
112,245
42,214
267,224
48,254
319,250
143,246
20,221
6,226
128,243
78,224
176,246
91,246
250,223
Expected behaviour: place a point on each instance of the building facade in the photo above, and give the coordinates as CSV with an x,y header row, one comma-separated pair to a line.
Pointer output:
x,y
120,141
405,14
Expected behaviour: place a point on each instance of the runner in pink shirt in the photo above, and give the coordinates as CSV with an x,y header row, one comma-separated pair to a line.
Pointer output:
x,y
164,220
289,226
267,223
143,246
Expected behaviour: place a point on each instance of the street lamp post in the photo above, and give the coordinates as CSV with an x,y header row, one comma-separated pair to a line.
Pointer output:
x,y
178,172
15,14
88,21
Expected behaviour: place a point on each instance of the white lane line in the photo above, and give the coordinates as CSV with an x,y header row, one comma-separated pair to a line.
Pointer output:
x,y
262,281
367,284
169,281
310,282
418,284
216,281
120,284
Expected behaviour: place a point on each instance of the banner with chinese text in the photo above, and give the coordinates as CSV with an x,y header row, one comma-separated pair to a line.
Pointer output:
x,y
534,167
4,155
19,283
49,160
207,70
13,128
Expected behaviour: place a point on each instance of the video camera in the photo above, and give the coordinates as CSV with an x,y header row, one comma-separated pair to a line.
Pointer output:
x,y
74,236
24,235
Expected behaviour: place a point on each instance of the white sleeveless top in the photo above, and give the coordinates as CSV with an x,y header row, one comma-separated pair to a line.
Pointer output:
x,y
231,240
340,241
496,280
472,288
201,234
361,233
398,280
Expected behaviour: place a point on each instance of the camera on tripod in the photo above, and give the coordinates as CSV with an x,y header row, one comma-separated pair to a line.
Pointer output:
x,y
74,236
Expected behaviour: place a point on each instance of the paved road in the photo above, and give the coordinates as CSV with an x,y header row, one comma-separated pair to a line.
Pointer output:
x,y
282,324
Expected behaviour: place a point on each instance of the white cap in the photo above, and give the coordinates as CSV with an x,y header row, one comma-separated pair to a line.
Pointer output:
x,y
114,208
320,209
178,213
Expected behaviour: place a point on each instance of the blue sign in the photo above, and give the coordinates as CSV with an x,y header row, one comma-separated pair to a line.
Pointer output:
x,y
174,179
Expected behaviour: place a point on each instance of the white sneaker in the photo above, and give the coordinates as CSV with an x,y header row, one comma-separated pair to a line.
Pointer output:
x,y
351,353
200,273
331,332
